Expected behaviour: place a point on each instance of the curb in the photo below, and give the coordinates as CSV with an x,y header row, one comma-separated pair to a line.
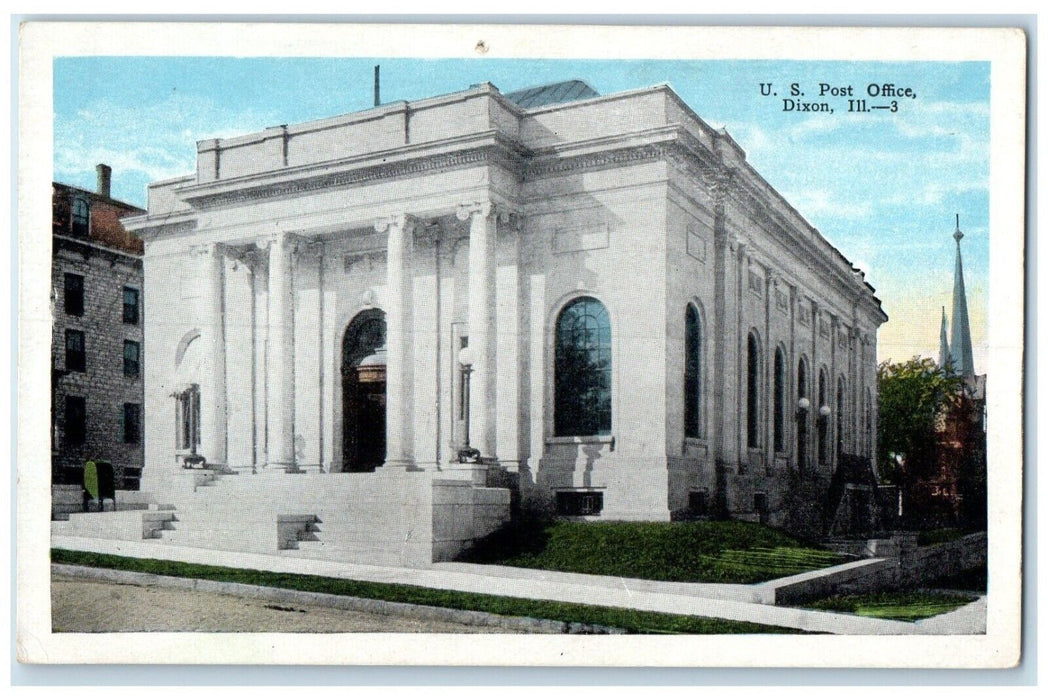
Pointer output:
x,y
339,602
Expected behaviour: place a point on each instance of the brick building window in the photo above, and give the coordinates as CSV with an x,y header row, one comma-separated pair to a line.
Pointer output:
x,y
73,297
131,305
75,355
132,423
131,361
81,217
75,420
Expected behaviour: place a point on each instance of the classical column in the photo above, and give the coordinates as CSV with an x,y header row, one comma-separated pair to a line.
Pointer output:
x,y
280,355
482,326
400,415
213,394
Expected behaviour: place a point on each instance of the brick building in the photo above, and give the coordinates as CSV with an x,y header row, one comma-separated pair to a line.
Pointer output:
x,y
96,344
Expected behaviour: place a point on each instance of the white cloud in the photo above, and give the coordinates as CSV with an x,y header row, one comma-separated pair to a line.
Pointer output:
x,y
822,202
145,141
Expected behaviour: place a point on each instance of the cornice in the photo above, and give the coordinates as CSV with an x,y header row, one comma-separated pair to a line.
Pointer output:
x,y
498,150
151,229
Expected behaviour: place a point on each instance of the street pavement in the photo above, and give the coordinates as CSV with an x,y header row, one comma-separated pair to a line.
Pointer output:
x,y
80,605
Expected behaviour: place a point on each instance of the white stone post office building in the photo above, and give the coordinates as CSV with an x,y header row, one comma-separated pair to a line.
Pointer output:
x,y
652,330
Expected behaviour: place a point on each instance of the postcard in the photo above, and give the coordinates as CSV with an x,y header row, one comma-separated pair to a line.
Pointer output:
x,y
635,346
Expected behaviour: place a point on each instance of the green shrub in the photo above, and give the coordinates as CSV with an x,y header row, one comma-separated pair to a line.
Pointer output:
x,y
712,552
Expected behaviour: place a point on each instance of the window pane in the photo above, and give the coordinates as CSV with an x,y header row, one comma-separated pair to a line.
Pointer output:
x,y
130,305
131,353
752,402
75,356
780,396
73,300
582,370
132,423
75,420
692,374
81,217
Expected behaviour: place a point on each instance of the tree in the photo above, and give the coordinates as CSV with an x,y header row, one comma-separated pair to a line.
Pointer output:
x,y
914,395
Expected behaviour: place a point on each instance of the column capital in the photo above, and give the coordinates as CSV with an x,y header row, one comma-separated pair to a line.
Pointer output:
x,y
464,212
249,255
406,222
266,240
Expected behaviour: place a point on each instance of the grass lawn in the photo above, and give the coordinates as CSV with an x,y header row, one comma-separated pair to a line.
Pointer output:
x,y
634,621
908,606
706,552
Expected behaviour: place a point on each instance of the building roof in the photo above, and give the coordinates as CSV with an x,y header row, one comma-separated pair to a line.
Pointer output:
x,y
554,93
104,229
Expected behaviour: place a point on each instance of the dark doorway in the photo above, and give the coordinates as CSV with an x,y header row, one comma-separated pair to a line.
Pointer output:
x,y
364,392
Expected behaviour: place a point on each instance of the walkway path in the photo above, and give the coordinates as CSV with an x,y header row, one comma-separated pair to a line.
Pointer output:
x,y
705,600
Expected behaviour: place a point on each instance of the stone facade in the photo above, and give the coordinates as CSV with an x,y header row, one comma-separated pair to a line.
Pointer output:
x,y
93,262
466,221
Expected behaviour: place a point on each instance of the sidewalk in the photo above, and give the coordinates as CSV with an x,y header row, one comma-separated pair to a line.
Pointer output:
x,y
707,600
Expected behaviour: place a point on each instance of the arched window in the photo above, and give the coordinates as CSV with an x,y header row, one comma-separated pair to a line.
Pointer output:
x,y
692,373
840,416
81,216
823,420
802,415
753,431
582,370
779,422
867,410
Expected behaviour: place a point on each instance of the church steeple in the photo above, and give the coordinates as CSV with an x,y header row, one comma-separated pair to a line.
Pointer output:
x,y
961,335
944,345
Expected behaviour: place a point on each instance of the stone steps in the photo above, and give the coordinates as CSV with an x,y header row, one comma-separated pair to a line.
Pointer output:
x,y
390,519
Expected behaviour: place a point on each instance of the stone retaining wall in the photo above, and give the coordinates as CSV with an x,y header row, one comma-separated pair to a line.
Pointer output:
x,y
911,567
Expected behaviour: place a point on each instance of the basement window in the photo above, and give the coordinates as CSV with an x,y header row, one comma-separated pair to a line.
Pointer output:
x,y
698,504
580,502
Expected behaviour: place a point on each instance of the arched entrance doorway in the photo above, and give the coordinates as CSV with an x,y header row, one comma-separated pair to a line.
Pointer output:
x,y
364,392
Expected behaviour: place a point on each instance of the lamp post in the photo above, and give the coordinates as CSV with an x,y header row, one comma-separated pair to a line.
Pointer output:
x,y
465,358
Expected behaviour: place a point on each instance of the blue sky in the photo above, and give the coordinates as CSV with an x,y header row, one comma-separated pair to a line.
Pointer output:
x,y
883,187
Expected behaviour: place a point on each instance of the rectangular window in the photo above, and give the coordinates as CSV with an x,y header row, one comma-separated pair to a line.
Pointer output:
x,y
75,420
131,305
132,423
131,353
579,502
81,217
699,504
73,298
75,355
